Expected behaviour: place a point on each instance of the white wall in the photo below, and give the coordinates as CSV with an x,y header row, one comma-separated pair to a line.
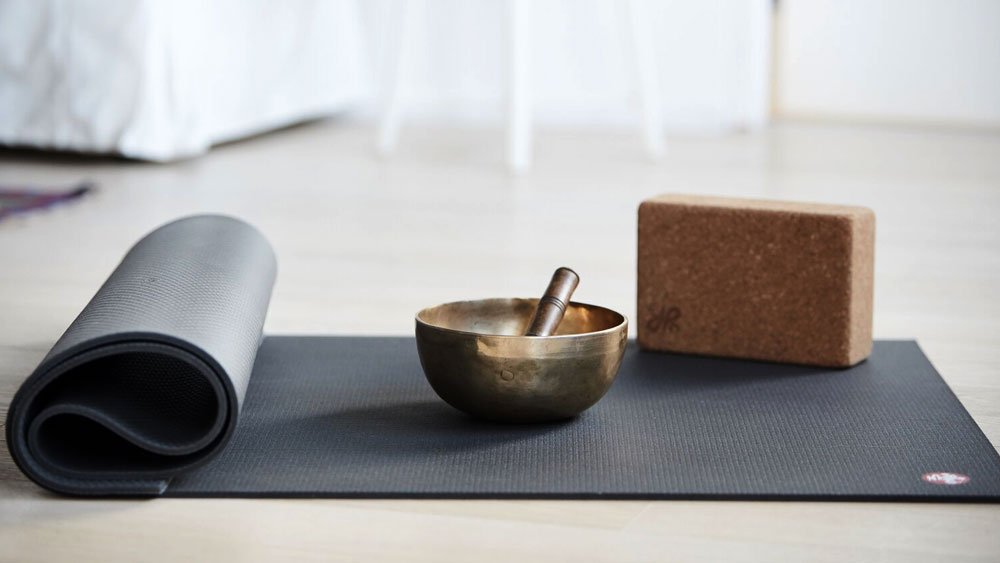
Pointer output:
x,y
713,60
927,61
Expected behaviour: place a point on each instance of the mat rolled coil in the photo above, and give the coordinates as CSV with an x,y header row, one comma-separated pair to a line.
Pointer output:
x,y
148,381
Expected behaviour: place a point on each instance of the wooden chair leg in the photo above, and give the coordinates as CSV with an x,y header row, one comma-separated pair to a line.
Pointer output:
x,y
396,64
651,108
519,110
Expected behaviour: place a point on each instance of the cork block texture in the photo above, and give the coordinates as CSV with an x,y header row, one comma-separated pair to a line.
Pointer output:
x,y
762,280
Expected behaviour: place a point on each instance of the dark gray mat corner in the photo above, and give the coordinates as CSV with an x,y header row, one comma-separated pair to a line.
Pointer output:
x,y
163,386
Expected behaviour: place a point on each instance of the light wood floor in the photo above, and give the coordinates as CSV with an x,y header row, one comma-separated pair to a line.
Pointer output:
x,y
363,244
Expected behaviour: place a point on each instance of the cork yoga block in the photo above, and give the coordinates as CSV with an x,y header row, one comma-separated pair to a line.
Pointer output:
x,y
762,280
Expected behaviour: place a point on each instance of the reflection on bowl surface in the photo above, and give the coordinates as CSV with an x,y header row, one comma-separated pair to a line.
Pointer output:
x,y
475,358
510,317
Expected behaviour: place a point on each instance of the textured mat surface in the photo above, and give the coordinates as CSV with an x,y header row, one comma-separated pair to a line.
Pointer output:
x,y
164,386
342,416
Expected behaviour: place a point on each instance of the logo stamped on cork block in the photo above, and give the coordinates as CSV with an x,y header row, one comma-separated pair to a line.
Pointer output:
x,y
665,318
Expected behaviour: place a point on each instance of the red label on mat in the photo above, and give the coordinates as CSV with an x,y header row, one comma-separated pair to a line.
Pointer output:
x,y
945,478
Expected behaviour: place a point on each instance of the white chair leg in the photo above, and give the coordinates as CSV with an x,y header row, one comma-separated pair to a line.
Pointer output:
x,y
399,29
519,111
651,108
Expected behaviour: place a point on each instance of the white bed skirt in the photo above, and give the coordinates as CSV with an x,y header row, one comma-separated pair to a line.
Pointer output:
x,y
166,79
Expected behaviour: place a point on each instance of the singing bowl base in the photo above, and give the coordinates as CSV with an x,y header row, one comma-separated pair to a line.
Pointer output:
x,y
475,358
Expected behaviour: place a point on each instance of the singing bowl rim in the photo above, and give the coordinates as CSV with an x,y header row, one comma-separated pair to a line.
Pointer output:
x,y
622,320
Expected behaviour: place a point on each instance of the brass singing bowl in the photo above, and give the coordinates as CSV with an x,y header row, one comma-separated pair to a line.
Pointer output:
x,y
475,358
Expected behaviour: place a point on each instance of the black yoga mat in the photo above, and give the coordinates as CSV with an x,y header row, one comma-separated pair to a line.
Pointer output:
x,y
150,392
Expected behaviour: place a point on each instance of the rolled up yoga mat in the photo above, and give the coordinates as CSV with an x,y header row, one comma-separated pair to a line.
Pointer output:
x,y
164,386
148,381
